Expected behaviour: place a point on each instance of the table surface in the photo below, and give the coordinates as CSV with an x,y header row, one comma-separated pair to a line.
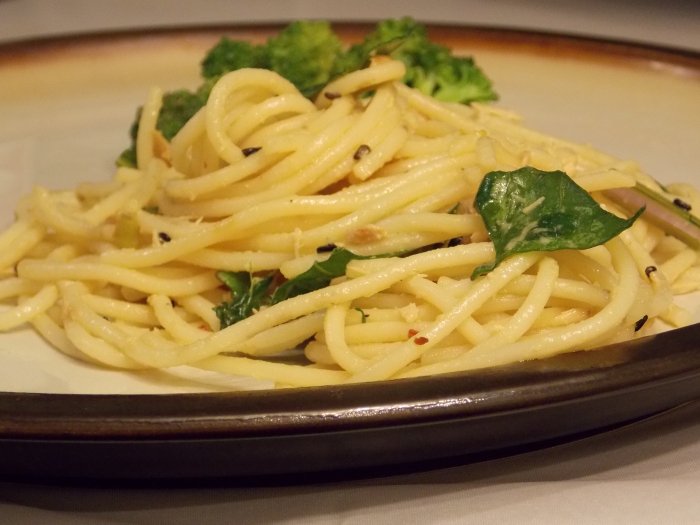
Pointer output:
x,y
646,473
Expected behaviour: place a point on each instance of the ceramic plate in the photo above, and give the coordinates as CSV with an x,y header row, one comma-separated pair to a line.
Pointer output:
x,y
65,107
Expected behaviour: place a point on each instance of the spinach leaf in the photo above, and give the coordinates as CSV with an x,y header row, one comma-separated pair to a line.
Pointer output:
x,y
247,294
529,210
320,274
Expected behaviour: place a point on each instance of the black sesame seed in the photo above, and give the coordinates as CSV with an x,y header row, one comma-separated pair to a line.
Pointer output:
x,y
361,152
326,248
682,204
330,95
164,237
649,270
249,151
638,325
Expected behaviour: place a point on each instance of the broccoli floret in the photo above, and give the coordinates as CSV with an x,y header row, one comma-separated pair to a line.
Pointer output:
x,y
128,157
304,53
388,36
230,55
178,107
430,67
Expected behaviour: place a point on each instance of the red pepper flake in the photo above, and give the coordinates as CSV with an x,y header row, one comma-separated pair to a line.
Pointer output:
x,y
420,340
205,328
412,332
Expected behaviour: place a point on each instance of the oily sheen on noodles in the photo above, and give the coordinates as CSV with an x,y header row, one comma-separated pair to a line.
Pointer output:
x,y
264,181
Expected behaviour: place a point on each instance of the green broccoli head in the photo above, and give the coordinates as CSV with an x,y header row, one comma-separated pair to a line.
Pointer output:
x,y
430,68
127,159
433,70
304,53
178,107
231,55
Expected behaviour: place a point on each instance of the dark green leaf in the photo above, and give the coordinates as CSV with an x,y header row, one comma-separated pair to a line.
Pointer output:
x,y
363,314
247,294
320,274
529,210
387,37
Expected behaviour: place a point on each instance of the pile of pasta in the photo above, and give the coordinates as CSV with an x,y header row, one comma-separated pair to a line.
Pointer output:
x,y
261,177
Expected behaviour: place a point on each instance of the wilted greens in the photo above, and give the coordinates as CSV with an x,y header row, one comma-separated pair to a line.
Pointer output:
x,y
529,210
247,295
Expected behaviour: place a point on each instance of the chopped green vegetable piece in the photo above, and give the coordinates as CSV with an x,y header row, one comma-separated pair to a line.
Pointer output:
x,y
247,294
127,159
529,210
363,314
126,232
320,274
385,39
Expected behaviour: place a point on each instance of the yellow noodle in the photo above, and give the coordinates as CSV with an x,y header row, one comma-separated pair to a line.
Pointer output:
x,y
54,271
216,107
147,127
362,80
36,305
